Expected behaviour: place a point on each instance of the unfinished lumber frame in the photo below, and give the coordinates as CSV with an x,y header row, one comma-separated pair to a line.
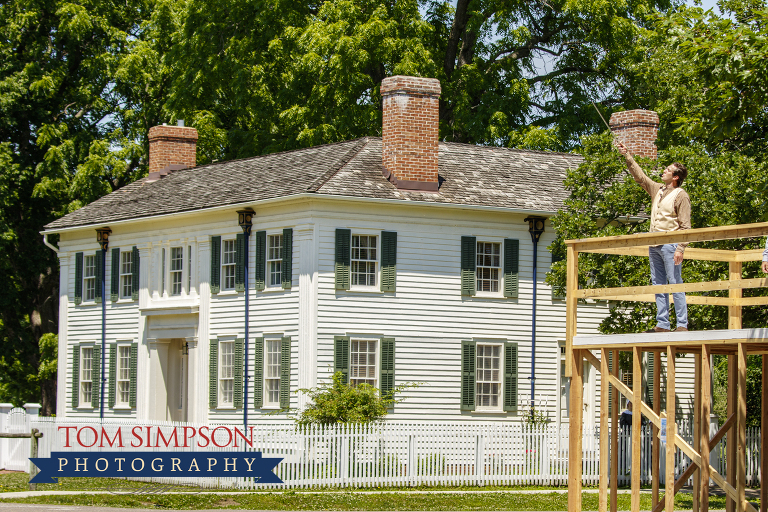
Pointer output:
x,y
735,342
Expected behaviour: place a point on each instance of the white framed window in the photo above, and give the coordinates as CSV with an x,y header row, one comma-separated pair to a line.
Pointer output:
x,y
177,267
488,267
364,260
489,377
274,260
226,373
228,254
363,362
126,274
189,269
89,278
86,376
272,372
123,384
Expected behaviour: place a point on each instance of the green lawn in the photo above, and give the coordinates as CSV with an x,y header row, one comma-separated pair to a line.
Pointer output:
x,y
327,499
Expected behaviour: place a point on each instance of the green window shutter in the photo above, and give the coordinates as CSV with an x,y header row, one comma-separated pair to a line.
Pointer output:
x,y
388,260
510,377
468,375
135,273
511,264
387,380
649,378
610,387
134,364
114,288
261,259
76,370
96,377
99,272
215,264
258,372
285,372
468,253
343,242
78,278
287,264
213,375
240,262
112,374
238,384
341,356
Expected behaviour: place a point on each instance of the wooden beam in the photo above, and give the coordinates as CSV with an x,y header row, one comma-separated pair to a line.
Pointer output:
x,y
655,444
671,431
691,253
690,299
734,311
604,429
697,428
764,437
758,282
615,437
575,431
741,427
679,483
571,305
672,237
704,432
637,422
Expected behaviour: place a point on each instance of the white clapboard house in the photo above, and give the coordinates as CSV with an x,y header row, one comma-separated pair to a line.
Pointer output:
x,y
396,259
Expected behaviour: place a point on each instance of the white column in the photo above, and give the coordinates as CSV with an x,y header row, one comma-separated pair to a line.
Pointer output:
x,y
63,399
143,392
198,363
306,237
158,370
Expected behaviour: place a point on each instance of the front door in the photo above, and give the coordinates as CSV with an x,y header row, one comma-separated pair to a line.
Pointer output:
x,y
178,378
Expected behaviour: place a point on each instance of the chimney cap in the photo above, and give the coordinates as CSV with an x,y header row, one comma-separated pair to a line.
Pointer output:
x,y
412,85
180,122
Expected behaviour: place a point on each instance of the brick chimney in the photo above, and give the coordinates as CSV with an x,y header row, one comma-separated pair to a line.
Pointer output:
x,y
171,148
410,132
637,129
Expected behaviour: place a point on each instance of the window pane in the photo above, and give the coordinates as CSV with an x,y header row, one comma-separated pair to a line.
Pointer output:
x,y
228,254
488,268
362,368
488,376
363,265
275,259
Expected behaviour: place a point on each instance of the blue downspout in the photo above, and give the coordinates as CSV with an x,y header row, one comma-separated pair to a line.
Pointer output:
x,y
246,234
535,228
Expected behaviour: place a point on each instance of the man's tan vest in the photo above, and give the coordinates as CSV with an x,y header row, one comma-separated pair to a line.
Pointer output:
x,y
663,215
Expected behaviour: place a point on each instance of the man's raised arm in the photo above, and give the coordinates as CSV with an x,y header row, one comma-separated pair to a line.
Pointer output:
x,y
637,173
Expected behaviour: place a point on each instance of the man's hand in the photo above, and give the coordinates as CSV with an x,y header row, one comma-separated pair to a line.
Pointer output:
x,y
678,257
624,150
765,267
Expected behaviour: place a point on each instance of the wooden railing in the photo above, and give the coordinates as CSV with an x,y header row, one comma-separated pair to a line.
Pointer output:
x,y
637,245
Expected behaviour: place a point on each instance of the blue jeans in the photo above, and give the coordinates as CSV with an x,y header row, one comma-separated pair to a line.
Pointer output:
x,y
664,271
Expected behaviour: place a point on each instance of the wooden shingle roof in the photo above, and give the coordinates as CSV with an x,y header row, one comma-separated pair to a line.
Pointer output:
x,y
530,181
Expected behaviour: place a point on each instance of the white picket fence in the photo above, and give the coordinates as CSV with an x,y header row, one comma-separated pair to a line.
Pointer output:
x,y
394,454
14,453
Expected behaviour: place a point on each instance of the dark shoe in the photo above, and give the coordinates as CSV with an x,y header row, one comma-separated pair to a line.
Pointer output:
x,y
681,329
657,329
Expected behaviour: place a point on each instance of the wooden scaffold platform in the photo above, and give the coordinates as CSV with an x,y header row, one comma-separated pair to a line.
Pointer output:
x,y
735,342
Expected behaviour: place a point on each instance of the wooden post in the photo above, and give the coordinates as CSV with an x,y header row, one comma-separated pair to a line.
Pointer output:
x,y
604,429
615,438
706,398
655,460
637,419
575,432
696,428
669,475
740,429
571,305
764,438
734,322
730,443
32,454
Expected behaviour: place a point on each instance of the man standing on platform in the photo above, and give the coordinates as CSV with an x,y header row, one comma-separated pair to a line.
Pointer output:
x,y
765,257
670,211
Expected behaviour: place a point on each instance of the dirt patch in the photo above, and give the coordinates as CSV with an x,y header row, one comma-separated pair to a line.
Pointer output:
x,y
228,502
5,472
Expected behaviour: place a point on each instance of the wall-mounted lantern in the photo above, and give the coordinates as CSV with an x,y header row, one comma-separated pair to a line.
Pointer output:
x,y
245,219
102,236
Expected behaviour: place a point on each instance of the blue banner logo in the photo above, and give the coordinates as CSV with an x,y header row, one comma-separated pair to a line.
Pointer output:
x,y
149,464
